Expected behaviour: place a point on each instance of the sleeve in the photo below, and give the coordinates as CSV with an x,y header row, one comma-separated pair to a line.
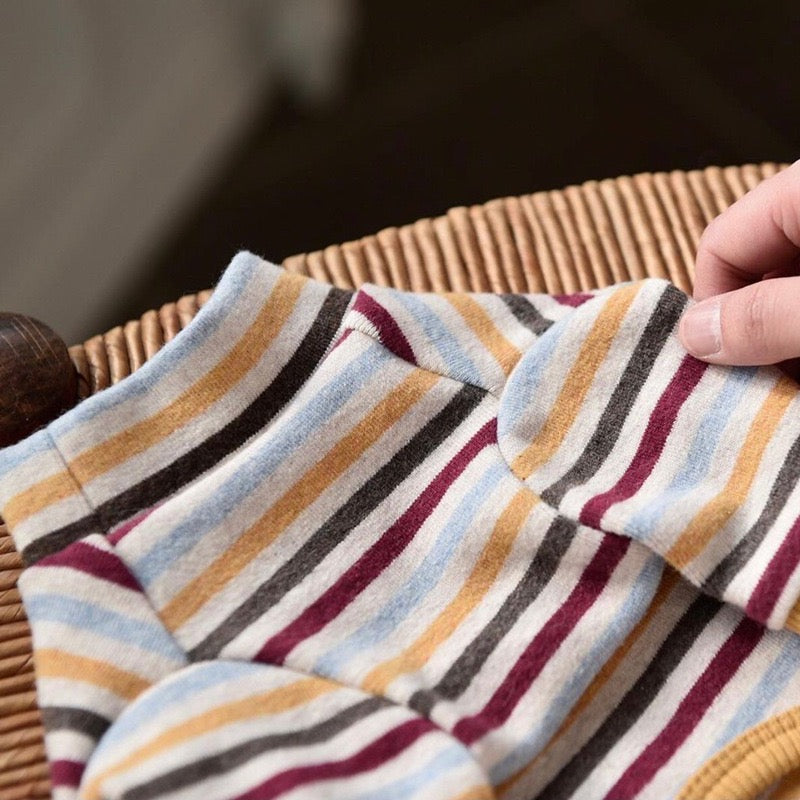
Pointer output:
x,y
220,381
610,421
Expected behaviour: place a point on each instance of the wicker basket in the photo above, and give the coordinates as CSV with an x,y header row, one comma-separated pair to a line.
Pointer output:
x,y
580,238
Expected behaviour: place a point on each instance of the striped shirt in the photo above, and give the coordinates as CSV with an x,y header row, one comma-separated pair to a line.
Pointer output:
x,y
379,544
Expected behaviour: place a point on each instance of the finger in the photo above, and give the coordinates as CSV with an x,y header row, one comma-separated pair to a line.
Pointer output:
x,y
758,324
757,235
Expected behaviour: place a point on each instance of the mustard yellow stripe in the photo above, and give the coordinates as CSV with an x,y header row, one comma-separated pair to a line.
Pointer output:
x,y
52,663
275,701
793,620
292,503
566,407
665,587
483,792
213,384
713,516
46,493
471,593
482,325
749,765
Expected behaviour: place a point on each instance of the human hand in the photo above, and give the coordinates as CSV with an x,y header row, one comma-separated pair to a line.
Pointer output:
x,y
747,280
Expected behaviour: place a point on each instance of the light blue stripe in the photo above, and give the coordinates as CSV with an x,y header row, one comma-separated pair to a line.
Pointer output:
x,y
451,758
101,621
407,598
214,313
524,381
263,458
450,349
178,689
700,456
11,457
755,708
636,603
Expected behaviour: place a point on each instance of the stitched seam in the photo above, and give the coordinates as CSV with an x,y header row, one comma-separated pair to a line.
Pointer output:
x,y
102,530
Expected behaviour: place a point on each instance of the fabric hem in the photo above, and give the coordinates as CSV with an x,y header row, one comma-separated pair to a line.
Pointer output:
x,y
757,760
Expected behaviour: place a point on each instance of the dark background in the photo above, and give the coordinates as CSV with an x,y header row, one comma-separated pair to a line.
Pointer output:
x,y
456,103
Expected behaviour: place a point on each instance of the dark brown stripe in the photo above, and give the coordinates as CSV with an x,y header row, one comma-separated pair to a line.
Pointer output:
x,y
227,760
319,544
635,702
527,313
169,479
779,493
378,557
662,322
540,570
88,723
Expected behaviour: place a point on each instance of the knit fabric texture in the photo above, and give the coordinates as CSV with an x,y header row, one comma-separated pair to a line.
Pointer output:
x,y
380,544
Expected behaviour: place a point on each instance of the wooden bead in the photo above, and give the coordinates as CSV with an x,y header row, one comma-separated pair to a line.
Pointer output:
x,y
37,378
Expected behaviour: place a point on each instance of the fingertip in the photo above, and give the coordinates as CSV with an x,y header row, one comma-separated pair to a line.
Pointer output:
x,y
700,329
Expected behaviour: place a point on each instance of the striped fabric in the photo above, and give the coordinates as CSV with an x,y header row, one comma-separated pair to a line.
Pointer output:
x,y
386,545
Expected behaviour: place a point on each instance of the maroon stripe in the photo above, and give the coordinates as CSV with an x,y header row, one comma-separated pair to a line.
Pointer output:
x,y
691,710
120,532
549,638
93,561
574,300
342,338
66,773
390,332
374,755
772,583
652,443
377,557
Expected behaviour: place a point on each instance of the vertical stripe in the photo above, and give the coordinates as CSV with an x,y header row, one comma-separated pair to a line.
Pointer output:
x,y
289,506
137,438
755,707
378,557
655,335
527,313
539,573
780,491
603,676
651,445
713,516
545,643
453,354
695,704
390,333
773,580
472,591
409,598
593,352
698,461
636,700
333,532
483,326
